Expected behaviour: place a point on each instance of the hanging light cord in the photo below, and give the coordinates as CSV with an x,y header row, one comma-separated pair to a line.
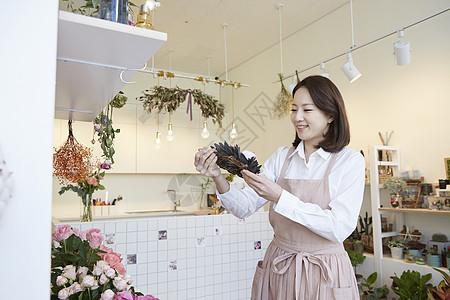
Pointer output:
x,y
225,43
280,6
232,102
368,42
351,22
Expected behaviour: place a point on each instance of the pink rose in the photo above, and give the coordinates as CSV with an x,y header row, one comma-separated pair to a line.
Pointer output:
x,y
108,295
100,177
92,181
82,271
120,269
62,232
110,273
69,272
75,288
103,279
80,234
125,295
61,280
90,231
95,240
88,281
64,293
121,285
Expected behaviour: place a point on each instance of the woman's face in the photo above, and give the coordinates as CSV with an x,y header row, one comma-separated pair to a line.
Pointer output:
x,y
310,123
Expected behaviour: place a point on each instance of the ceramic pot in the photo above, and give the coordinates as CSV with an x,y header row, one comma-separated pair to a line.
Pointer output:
x,y
434,260
396,252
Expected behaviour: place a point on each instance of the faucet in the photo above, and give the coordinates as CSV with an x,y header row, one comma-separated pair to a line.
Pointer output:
x,y
173,199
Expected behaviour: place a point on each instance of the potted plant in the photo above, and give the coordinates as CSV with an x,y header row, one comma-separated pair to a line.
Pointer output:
x,y
358,246
438,240
396,247
434,258
356,259
411,285
370,292
443,289
416,234
414,247
395,185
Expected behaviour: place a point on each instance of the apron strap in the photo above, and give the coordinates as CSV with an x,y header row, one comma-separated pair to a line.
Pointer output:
x,y
286,162
330,165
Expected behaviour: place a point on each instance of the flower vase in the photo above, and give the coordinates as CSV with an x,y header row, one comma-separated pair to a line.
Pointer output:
x,y
86,214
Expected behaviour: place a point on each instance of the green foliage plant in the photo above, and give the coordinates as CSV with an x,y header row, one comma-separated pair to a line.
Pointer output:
x,y
411,285
90,7
372,292
397,243
365,229
356,258
394,184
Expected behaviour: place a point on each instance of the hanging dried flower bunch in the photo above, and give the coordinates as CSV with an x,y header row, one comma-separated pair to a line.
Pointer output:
x,y
283,101
72,161
231,159
119,100
165,99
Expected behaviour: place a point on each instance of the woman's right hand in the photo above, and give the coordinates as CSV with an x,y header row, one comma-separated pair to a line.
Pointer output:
x,y
205,162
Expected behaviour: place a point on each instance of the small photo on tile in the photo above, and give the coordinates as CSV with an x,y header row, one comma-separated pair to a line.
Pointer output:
x,y
162,235
257,245
201,241
173,265
217,230
131,259
110,238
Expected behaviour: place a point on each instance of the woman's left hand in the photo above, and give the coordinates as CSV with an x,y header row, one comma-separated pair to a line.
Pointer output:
x,y
264,187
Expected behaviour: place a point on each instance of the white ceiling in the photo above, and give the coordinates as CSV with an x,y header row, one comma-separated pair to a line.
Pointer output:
x,y
195,30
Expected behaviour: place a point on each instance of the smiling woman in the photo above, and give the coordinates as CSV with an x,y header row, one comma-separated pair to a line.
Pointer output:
x,y
315,190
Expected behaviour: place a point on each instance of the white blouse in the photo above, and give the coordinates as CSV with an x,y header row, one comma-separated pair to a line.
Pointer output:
x,y
346,183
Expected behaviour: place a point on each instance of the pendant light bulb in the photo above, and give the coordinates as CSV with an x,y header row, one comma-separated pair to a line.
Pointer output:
x,y
233,132
170,135
158,138
205,132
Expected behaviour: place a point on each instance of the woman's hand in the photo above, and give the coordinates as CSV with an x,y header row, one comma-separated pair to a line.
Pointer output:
x,y
264,187
205,162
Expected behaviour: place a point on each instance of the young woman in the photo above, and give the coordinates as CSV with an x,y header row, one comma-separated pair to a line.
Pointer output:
x,y
315,191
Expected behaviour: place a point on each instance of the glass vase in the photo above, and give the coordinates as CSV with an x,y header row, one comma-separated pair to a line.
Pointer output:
x,y
114,10
86,214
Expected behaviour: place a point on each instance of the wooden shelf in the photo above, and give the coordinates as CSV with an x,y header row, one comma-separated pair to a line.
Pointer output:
x,y
415,210
91,55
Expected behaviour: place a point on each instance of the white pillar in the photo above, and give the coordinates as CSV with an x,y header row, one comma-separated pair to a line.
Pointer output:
x,y
28,39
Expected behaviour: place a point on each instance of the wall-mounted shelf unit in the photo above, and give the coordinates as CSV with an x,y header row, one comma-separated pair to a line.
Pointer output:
x,y
416,210
91,54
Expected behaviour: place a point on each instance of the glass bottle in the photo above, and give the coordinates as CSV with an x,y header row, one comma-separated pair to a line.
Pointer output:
x,y
144,18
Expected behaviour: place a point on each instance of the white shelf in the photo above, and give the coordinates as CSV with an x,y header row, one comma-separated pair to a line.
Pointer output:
x,y
389,234
91,54
388,163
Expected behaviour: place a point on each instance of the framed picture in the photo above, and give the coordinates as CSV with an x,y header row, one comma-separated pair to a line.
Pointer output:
x,y
447,167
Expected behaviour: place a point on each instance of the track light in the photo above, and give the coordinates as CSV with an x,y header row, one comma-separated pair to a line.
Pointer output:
x,y
402,49
349,69
324,71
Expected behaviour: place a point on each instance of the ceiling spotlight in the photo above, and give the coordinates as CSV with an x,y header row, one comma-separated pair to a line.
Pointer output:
x,y
292,85
349,69
324,71
402,49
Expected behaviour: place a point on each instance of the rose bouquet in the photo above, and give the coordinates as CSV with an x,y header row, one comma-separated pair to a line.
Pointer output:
x,y
82,268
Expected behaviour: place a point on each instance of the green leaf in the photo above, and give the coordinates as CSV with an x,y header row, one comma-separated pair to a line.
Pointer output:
x,y
117,130
101,187
372,278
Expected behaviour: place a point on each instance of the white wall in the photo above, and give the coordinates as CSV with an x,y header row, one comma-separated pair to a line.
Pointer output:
x,y
28,60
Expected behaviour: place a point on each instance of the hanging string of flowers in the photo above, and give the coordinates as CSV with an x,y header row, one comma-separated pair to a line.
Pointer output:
x,y
164,99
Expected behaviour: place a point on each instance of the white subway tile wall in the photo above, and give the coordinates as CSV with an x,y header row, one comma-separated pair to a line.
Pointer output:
x,y
198,257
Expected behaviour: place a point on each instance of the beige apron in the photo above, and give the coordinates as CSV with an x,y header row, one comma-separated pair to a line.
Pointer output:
x,y
298,263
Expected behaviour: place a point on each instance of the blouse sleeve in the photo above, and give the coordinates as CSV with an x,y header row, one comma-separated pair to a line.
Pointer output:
x,y
339,221
244,202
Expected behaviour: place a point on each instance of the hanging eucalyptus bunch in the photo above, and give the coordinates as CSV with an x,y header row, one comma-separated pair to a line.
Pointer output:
x,y
164,99
283,101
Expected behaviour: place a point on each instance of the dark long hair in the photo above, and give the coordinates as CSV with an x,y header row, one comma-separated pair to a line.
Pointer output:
x,y
328,99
